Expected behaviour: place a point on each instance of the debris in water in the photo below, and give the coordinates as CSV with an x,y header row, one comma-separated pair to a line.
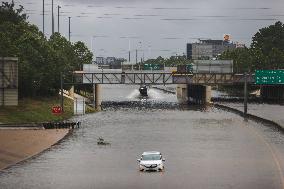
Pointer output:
x,y
102,141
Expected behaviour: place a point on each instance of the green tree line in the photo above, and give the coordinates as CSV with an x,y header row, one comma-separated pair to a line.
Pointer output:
x,y
265,52
171,61
41,60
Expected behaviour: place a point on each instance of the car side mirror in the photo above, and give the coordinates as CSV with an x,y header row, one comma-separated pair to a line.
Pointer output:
x,y
163,159
138,160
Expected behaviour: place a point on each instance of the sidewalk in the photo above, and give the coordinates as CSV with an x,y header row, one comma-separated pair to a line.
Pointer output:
x,y
19,144
267,111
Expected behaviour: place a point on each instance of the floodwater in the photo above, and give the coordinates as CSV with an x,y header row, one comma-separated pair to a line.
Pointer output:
x,y
203,148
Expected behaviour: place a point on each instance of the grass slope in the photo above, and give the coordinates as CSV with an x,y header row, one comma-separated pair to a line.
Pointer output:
x,y
36,110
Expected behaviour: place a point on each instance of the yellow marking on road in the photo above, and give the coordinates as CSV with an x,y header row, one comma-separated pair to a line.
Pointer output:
x,y
272,151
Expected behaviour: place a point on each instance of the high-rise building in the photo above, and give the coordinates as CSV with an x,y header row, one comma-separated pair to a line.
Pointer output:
x,y
208,49
100,60
189,50
110,60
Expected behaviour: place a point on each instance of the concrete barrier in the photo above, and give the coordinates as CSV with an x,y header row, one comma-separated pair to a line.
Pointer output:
x,y
252,117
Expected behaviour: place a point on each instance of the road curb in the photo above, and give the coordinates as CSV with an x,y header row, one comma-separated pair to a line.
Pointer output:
x,y
251,117
25,125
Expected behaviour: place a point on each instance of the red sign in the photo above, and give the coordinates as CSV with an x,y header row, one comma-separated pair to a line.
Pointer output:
x,y
56,110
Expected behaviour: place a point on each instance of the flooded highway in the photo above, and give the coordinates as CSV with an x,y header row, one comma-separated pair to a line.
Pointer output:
x,y
203,148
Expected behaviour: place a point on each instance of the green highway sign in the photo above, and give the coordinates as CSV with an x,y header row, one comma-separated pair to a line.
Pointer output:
x,y
152,67
269,77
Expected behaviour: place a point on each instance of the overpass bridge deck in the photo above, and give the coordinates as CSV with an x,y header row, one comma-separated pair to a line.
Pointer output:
x,y
158,78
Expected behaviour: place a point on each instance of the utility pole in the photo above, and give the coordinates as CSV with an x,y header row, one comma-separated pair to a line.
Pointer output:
x,y
58,7
245,97
69,33
43,17
52,19
129,50
136,56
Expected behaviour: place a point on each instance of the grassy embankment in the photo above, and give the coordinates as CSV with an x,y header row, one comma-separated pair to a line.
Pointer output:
x,y
37,110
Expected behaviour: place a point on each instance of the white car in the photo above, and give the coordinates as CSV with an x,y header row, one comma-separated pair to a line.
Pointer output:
x,y
151,161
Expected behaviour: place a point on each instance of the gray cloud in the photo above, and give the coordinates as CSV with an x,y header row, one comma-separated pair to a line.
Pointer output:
x,y
129,18
165,25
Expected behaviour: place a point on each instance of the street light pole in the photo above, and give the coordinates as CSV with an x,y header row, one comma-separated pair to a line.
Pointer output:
x,y
245,97
136,56
58,7
140,49
92,46
129,53
69,33
61,86
52,19
43,16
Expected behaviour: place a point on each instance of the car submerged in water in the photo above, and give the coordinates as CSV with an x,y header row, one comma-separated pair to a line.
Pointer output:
x,y
151,161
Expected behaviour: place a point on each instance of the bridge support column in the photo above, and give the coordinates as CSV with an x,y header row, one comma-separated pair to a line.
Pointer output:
x,y
97,96
199,94
71,92
182,93
208,95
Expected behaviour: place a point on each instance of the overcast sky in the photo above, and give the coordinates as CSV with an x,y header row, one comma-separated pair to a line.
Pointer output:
x,y
155,27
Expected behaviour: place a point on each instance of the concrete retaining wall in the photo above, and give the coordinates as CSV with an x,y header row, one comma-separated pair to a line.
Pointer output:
x,y
275,93
8,81
252,117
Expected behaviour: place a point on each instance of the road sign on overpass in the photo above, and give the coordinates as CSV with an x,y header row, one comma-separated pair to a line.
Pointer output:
x,y
269,77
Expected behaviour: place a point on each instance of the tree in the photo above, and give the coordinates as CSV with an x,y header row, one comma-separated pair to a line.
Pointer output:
x,y
83,54
243,60
172,61
265,52
40,60
269,37
268,45
8,13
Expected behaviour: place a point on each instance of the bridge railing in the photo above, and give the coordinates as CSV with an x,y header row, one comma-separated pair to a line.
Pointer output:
x,y
124,78
159,78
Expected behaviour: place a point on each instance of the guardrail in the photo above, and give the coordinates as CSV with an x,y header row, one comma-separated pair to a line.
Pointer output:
x,y
45,125
61,125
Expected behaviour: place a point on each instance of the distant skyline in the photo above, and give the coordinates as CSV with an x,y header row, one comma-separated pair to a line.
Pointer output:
x,y
154,27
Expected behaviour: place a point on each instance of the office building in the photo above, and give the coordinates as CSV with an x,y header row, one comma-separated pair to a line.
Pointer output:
x,y
208,49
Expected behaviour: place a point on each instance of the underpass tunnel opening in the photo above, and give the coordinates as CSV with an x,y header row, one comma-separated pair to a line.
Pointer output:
x,y
197,94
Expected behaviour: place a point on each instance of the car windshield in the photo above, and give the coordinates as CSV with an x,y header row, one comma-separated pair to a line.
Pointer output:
x,y
151,157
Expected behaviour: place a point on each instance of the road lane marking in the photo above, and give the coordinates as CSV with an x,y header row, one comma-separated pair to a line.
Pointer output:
x,y
272,151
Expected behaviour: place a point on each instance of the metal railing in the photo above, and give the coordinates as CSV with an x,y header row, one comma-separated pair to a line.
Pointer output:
x,y
159,78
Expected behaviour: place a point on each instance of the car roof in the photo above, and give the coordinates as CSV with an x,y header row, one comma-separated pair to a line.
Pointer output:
x,y
151,152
